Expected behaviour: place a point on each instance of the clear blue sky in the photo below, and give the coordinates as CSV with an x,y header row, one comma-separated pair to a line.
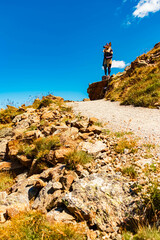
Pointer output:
x,y
56,46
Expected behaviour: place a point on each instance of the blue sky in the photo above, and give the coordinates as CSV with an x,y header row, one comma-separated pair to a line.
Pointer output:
x,y
56,46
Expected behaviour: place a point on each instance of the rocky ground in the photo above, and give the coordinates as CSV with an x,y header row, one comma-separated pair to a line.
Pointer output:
x,y
141,121
74,170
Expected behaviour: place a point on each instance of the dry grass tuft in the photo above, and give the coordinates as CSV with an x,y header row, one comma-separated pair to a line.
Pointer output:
x,y
77,157
125,143
34,226
6,180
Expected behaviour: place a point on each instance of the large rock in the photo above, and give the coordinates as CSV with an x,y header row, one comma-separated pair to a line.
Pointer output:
x,y
96,90
102,200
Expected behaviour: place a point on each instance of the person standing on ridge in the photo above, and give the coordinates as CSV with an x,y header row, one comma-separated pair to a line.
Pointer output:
x,y
107,61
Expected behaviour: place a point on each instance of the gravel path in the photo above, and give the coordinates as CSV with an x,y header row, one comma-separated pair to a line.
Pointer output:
x,y
143,122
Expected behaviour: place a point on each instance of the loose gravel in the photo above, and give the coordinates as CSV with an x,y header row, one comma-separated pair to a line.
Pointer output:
x,y
144,122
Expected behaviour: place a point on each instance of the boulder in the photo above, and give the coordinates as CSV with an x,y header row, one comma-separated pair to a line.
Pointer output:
x,y
49,130
101,199
96,90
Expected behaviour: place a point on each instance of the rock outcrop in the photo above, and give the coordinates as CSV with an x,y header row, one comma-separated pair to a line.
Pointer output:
x,y
97,90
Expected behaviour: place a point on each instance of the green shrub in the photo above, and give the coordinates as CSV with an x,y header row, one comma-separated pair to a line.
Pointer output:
x,y
34,226
77,157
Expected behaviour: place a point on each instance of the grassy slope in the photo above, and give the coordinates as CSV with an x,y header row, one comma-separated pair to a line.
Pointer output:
x,y
141,87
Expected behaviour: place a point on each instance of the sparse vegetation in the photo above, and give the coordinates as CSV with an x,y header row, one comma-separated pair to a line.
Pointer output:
x,y
129,171
7,115
34,226
6,180
152,198
45,102
143,233
40,147
77,157
125,143
99,124
121,134
31,128
7,125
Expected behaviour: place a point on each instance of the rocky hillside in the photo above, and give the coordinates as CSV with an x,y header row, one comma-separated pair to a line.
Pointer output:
x,y
139,84
68,177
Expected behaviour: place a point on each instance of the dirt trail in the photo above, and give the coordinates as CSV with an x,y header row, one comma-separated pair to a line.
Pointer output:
x,y
143,122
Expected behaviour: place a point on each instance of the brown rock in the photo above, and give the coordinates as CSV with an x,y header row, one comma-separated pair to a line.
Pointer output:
x,y
47,116
12,148
56,194
59,215
53,173
92,120
86,99
67,181
157,45
24,160
2,214
84,136
60,154
95,129
16,209
30,135
49,130
40,184
96,90
9,166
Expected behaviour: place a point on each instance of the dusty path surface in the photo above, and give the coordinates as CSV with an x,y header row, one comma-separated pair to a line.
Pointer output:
x,y
143,122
